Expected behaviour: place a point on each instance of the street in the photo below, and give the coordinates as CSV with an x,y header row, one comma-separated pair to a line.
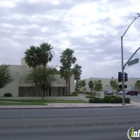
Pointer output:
x,y
68,124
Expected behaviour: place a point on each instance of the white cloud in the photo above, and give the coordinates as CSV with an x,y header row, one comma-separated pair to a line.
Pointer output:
x,y
92,28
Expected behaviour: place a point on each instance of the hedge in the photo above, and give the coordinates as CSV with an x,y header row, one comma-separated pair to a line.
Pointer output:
x,y
108,99
7,95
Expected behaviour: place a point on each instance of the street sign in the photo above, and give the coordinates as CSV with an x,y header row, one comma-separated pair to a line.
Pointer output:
x,y
132,62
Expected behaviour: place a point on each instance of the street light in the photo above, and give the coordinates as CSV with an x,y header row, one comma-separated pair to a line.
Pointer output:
x,y
123,67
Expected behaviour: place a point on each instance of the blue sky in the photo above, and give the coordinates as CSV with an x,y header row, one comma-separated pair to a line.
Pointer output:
x,y
92,28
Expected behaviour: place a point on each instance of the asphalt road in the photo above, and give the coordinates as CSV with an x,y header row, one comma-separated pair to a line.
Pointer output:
x,y
68,124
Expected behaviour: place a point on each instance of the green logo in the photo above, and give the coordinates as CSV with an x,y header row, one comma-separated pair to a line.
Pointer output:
x,y
131,133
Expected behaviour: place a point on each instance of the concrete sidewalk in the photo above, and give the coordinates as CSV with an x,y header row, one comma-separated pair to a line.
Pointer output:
x,y
71,105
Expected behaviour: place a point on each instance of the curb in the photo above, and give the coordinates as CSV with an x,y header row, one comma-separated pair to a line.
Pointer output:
x,y
65,107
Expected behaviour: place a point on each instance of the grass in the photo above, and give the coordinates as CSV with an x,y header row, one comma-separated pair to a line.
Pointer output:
x,y
36,102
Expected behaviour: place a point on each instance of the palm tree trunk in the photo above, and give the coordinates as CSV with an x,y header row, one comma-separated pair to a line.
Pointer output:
x,y
43,94
67,86
76,84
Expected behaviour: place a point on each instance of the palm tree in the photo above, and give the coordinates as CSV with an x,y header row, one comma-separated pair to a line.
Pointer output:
x,y
83,85
45,54
67,59
31,56
32,60
137,85
77,73
91,85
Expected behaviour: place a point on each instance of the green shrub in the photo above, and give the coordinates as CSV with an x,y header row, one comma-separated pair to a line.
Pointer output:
x,y
127,100
118,100
102,100
107,99
74,94
112,100
7,95
94,100
91,100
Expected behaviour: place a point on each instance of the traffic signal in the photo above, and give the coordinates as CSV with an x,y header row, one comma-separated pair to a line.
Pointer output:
x,y
126,77
120,86
120,77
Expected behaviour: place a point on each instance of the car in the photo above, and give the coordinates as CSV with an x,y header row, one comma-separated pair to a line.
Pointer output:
x,y
120,92
108,92
132,92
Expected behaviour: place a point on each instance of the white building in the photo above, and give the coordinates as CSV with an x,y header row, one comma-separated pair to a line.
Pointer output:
x,y
106,83
19,87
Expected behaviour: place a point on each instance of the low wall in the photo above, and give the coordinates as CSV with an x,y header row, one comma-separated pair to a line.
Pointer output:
x,y
100,95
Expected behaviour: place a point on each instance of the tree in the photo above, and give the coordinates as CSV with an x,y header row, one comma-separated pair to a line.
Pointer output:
x,y
83,85
55,71
67,59
137,85
91,85
32,56
45,54
36,56
5,76
43,78
77,73
114,84
98,85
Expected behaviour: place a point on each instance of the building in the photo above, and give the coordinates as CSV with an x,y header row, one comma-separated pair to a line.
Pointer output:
x,y
106,83
19,87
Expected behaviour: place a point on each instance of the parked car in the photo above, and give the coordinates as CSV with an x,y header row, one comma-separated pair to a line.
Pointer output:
x,y
132,92
108,92
120,92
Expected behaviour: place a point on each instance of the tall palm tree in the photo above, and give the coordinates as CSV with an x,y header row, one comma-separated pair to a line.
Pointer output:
x,y
31,56
91,85
77,73
46,54
32,60
67,59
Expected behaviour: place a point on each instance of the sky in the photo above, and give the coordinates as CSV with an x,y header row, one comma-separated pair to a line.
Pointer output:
x,y
92,28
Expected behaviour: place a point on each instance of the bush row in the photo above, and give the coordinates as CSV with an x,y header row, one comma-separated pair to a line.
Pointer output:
x,y
7,95
108,99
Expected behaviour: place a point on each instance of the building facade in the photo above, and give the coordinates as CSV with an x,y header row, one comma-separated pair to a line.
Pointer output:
x,y
106,83
19,87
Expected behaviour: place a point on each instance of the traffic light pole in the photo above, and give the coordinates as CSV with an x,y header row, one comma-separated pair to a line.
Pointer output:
x,y
123,66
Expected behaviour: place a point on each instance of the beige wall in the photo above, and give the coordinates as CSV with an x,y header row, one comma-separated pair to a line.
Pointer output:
x,y
19,72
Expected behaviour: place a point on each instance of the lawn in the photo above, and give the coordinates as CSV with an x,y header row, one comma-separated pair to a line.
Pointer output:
x,y
35,102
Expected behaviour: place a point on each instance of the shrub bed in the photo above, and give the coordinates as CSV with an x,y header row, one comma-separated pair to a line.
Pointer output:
x,y
7,95
108,99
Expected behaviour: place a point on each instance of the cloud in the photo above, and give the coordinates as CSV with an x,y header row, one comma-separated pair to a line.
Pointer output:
x,y
91,28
